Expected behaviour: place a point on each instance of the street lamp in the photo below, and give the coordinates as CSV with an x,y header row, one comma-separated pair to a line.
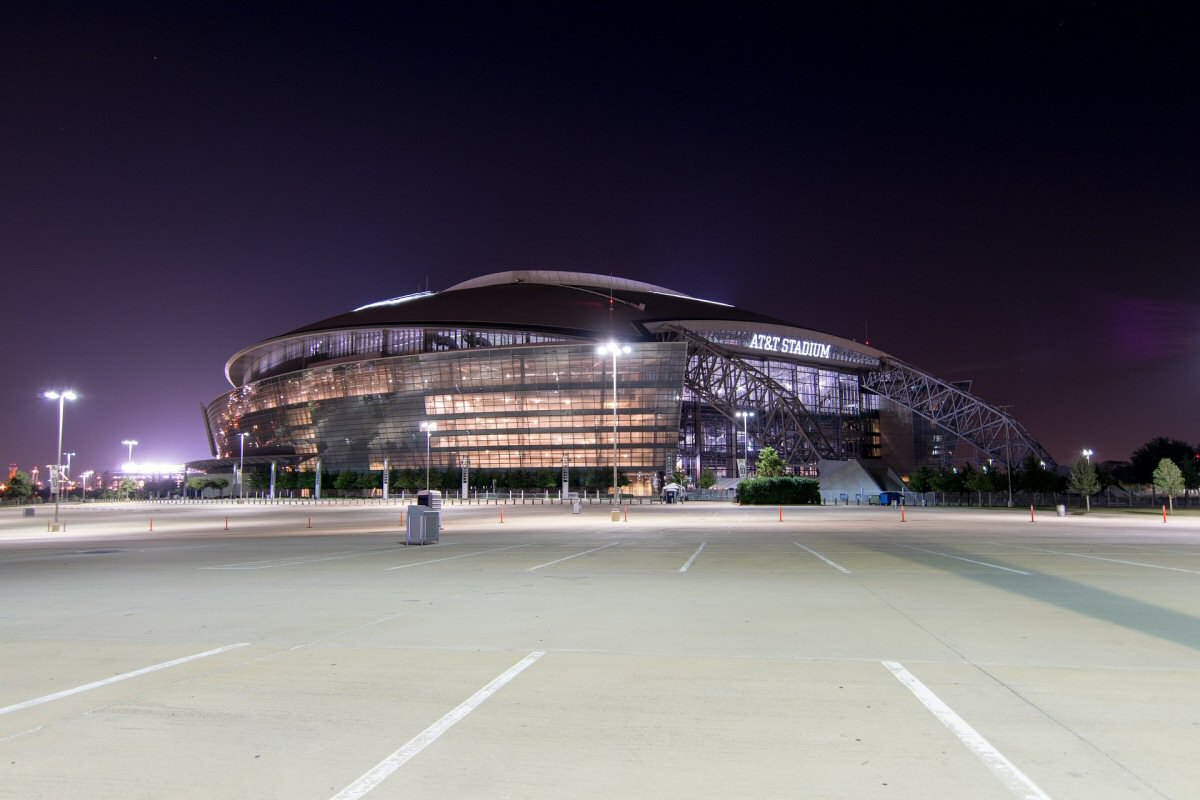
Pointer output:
x,y
746,415
614,349
242,466
1087,454
130,443
67,473
428,427
83,482
61,397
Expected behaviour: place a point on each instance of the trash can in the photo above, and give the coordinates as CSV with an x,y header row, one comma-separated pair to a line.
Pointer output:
x,y
29,512
430,499
577,506
423,525
1062,510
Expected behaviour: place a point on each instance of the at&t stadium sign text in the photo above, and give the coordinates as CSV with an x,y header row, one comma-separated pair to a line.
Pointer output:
x,y
791,347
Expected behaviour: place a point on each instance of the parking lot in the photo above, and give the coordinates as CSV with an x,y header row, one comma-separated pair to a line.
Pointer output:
x,y
697,651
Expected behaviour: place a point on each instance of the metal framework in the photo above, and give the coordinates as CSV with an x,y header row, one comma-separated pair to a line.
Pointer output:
x,y
729,383
960,413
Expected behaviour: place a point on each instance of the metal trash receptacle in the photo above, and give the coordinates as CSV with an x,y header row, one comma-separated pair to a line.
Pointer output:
x,y
576,506
423,525
1062,510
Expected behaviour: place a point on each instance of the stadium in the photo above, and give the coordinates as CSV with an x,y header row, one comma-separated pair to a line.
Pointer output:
x,y
512,371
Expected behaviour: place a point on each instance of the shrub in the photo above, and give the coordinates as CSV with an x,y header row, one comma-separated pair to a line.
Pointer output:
x,y
784,490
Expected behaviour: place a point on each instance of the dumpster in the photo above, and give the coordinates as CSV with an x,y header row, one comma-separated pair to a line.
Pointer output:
x,y
29,512
1062,510
672,492
576,506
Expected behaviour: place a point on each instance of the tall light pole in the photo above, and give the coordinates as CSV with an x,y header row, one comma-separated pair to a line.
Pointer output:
x,y
62,397
131,443
428,427
746,415
242,466
614,349
83,480
1087,454
67,473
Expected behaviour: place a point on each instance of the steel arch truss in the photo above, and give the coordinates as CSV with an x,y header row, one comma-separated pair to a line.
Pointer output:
x,y
729,383
960,413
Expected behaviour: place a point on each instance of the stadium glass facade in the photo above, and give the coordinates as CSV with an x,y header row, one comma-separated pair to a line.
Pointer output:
x,y
511,407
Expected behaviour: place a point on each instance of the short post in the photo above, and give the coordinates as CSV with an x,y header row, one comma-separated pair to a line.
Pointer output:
x,y
902,518
781,513
152,524
309,521
502,516
226,522
1164,512
1031,512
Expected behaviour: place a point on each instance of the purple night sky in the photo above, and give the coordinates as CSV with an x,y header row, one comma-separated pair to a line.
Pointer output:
x,y
1008,197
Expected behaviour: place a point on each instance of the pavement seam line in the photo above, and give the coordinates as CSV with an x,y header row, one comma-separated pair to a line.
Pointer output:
x,y
380,772
568,558
688,563
451,558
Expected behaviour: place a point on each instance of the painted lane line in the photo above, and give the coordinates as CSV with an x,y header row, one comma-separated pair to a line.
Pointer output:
x,y
823,558
1101,558
568,558
1005,770
451,558
117,678
968,560
688,563
377,774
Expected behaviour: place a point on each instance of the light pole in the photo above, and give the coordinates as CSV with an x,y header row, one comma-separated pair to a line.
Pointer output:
x,y
614,349
62,397
83,480
242,466
746,415
428,427
131,443
1087,454
67,473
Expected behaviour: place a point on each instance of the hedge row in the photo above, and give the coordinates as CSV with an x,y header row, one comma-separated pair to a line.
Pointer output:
x,y
786,490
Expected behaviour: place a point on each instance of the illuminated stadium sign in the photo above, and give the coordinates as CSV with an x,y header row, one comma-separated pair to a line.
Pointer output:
x,y
791,347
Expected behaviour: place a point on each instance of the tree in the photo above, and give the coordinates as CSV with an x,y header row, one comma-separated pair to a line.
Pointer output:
x,y
126,488
922,480
1168,479
346,480
1147,457
20,486
1083,480
770,464
708,479
979,481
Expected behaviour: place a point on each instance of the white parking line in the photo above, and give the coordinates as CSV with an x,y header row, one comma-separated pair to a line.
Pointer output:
x,y
968,560
1100,558
688,563
1008,772
568,558
451,558
823,558
116,678
377,774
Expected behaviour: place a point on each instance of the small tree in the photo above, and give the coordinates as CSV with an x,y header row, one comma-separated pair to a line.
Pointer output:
x,y
921,481
20,486
708,479
1168,479
1083,480
127,488
770,464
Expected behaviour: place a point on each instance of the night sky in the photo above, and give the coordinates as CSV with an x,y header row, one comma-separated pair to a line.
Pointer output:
x,y
1011,197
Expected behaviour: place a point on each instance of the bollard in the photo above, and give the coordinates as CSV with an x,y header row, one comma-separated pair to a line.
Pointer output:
x,y
1164,513
902,518
401,519
309,521
502,516
1031,512
627,515
227,522
152,524
781,513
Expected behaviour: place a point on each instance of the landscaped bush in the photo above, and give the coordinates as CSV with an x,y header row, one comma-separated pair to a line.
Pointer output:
x,y
786,490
